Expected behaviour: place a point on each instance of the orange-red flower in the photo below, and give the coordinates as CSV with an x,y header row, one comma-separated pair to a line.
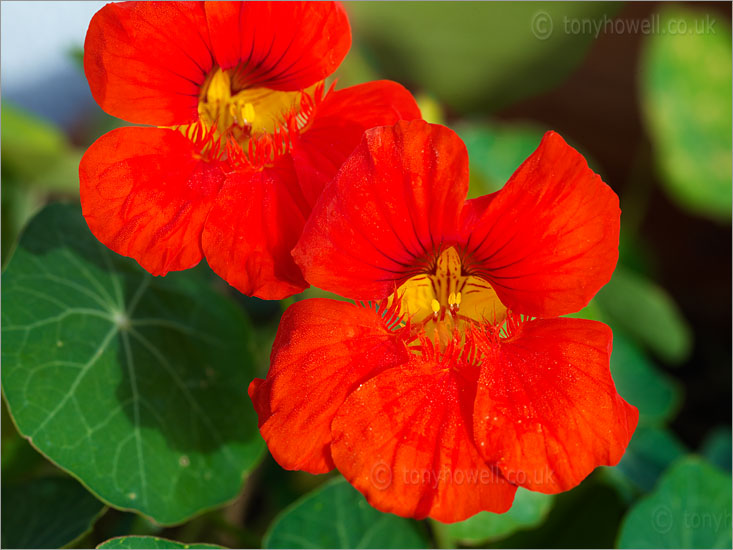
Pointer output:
x,y
459,381
244,133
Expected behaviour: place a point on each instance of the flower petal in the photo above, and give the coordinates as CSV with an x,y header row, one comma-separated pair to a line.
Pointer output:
x,y
280,45
392,203
323,350
403,439
548,241
338,125
252,227
146,61
547,411
145,195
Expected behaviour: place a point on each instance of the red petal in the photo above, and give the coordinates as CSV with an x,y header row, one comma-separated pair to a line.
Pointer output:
x,y
395,199
403,439
547,411
323,351
251,230
281,45
338,125
145,195
548,241
146,61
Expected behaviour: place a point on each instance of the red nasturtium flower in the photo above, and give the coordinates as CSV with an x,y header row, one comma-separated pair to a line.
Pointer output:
x,y
244,133
459,381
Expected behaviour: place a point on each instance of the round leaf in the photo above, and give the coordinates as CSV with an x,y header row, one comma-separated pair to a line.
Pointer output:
x,y
649,453
337,516
474,55
495,152
646,312
690,508
135,385
685,94
135,542
48,512
657,395
529,510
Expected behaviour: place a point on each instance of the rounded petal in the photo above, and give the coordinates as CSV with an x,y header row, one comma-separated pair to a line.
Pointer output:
x,y
391,205
254,224
323,351
338,125
279,45
145,194
547,412
146,61
548,241
403,439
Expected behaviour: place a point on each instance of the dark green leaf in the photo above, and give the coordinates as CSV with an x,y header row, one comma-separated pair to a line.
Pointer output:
x,y
135,542
136,385
474,55
690,508
47,512
529,510
647,313
685,94
717,448
657,395
649,453
337,516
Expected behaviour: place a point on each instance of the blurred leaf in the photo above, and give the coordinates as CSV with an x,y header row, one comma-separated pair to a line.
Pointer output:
x,y
529,510
430,108
48,512
136,385
690,508
495,152
18,205
474,55
37,153
337,516
647,313
657,395
649,453
685,94
134,542
717,448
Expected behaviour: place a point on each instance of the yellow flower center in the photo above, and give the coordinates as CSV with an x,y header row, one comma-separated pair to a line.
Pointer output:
x,y
447,298
248,124
246,112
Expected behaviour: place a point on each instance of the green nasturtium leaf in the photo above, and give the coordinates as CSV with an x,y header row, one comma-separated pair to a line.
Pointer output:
x,y
717,448
657,395
46,512
474,56
139,542
495,152
650,452
135,385
529,510
37,153
646,312
690,508
685,96
337,516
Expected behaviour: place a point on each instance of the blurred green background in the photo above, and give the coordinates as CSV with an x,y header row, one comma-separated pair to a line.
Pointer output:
x,y
643,90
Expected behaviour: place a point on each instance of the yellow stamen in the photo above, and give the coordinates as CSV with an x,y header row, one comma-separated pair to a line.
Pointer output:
x,y
435,305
